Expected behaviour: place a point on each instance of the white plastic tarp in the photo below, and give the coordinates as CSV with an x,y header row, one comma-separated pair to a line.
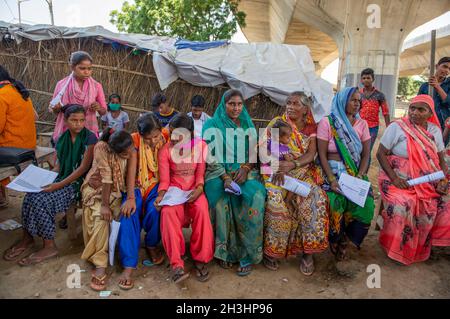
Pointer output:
x,y
272,69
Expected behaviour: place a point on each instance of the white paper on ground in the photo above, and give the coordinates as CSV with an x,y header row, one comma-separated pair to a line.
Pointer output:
x,y
10,224
175,196
427,178
32,179
295,186
113,233
355,189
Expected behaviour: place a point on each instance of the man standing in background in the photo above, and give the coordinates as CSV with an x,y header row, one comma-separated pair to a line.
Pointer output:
x,y
371,101
441,85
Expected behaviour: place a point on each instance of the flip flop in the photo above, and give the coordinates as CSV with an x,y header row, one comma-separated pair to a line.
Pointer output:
x,y
156,256
270,263
304,265
179,275
225,264
17,251
32,260
202,273
101,282
125,286
244,270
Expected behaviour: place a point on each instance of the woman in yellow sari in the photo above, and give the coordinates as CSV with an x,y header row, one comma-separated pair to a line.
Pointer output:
x,y
300,226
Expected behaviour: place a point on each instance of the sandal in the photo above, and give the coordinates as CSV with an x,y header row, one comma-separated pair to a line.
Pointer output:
x,y
126,283
179,275
98,283
202,273
305,266
225,264
33,260
244,270
271,263
156,256
13,253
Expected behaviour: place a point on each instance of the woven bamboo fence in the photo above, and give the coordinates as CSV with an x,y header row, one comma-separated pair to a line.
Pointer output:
x,y
120,69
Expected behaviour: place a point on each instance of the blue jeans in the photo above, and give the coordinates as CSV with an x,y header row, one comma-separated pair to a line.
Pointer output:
x,y
373,136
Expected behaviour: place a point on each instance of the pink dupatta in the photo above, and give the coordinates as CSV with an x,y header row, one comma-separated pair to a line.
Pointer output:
x,y
422,156
74,95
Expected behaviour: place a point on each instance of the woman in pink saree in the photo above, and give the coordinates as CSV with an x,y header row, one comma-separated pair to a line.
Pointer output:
x,y
78,88
418,217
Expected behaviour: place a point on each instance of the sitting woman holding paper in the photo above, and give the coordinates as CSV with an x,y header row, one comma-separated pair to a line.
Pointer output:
x,y
344,147
182,164
295,224
237,219
148,141
78,88
112,174
418,217
75,151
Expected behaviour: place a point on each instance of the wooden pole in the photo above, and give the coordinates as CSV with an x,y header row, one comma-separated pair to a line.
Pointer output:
x,y
432,60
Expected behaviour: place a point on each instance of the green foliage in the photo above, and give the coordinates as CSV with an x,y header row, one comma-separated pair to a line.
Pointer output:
x,y
407,86
196,20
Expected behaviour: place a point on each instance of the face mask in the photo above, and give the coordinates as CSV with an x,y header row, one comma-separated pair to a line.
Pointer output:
x,y
114,107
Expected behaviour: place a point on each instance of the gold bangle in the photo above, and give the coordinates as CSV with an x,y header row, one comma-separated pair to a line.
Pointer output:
x,y
332,179
226,177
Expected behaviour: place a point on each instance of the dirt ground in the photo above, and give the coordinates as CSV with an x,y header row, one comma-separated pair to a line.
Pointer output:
x,y
430,279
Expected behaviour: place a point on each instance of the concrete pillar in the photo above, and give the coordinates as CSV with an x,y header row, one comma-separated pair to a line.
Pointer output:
x,y
375,36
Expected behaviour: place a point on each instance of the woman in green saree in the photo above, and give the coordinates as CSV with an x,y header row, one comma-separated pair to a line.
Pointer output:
x,y
237,219
344,147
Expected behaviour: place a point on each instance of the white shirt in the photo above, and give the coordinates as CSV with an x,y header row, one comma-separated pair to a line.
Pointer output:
x,y
198,124
395,140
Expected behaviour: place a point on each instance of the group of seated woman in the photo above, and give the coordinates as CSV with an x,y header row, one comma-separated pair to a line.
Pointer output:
x,y
124,177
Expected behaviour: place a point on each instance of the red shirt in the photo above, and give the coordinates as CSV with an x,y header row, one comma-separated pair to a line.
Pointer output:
x,y
370,106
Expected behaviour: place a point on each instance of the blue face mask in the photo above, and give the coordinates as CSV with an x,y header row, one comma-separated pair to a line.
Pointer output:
x,y
114,107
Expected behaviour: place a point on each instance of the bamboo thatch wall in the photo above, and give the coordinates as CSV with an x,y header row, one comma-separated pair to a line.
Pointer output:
x,y
40,65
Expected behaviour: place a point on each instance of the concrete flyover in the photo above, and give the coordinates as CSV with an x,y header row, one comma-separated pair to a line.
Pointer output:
x,y
374,32
415,56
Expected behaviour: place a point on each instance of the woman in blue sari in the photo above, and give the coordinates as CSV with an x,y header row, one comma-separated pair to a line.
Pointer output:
x,y
237,219
344,147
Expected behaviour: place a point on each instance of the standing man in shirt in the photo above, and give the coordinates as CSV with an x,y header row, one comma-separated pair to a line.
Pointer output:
x,y
200,117
440,82
371,101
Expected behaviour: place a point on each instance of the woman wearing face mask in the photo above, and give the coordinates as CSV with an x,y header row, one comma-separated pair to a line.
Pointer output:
x,y
78,88
418,217
115,118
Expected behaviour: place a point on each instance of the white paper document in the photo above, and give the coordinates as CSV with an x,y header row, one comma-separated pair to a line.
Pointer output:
x,y
427,178
113,233
295,186
32,180
355,189
10,224
175,196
